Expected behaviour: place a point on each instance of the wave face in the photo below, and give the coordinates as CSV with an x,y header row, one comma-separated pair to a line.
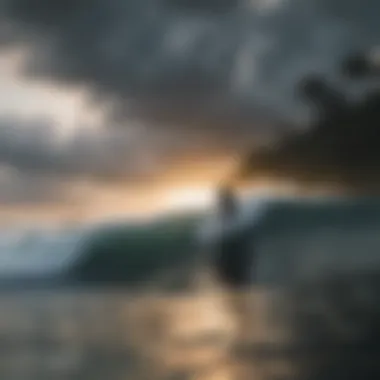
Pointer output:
x,y
304,239
120,253
313,240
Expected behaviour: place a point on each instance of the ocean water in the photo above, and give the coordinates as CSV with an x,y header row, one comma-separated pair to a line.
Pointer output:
x,y
296,240
140,328
108,334
90,334
299,238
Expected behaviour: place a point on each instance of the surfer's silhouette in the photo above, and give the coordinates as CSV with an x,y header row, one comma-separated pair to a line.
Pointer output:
x,y
227,205
233,254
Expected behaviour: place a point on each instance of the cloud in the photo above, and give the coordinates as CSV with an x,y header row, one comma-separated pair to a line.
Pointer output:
x,y
36,147
19,189
341,149
202,71
221,57
38,163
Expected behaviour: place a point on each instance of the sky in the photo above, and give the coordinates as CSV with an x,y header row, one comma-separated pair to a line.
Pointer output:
x,y
112,107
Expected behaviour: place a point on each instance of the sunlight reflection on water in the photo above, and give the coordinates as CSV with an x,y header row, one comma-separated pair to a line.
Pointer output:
x,y
114,335
86,334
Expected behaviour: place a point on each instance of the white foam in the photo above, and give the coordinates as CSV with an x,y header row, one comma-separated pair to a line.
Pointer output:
x,y
31,253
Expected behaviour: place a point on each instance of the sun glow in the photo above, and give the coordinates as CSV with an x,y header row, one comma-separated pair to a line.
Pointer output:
x,y
189,198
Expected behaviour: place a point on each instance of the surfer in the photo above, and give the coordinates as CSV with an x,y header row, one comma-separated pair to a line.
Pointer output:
x,y
233,255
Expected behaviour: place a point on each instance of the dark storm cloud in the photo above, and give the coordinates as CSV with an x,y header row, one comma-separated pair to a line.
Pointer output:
x,y
37,165
211,66
17,188
342,147
33,147
219,56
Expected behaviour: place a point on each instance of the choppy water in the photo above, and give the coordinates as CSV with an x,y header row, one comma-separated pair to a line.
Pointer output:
x,y
320,332
113,335
97,334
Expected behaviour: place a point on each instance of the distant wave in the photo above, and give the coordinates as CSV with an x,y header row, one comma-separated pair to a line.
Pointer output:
x,y
37,252
125,253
